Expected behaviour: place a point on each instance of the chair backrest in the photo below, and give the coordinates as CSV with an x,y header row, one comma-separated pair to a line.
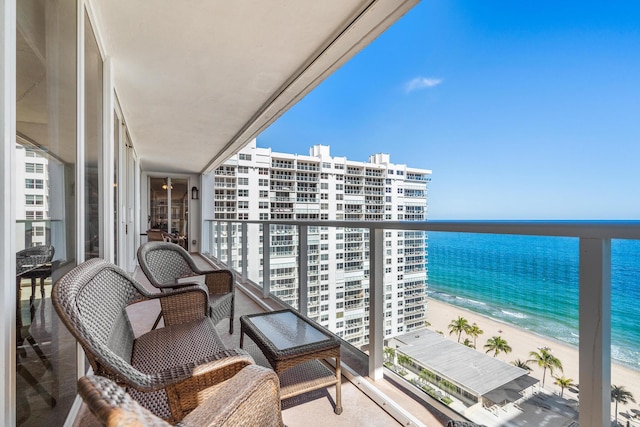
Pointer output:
x,y
164,262
35,255
91,300
112,406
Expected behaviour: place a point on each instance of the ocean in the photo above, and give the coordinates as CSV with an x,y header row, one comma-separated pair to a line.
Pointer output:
x,y
532,282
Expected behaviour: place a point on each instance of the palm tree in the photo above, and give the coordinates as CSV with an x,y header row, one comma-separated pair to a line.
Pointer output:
x,y
404,360
545,360
390,354
620,395
521,364
458,326
468,343
497,344
563,382
474,331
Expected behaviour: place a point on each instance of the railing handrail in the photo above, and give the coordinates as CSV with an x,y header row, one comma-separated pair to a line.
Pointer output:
x,y
607,229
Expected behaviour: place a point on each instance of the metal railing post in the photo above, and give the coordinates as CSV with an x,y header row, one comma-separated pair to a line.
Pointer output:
x,y
266,260
595,332
376,302
219,240
230,245
303,264
245,251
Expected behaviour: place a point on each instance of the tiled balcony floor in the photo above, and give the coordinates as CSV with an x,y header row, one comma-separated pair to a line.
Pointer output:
x,y
310,409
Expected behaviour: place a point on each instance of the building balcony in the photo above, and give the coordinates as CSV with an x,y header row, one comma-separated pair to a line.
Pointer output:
x,y
416,310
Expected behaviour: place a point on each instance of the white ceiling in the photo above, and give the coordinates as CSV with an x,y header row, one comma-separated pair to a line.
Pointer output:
x,y
198,79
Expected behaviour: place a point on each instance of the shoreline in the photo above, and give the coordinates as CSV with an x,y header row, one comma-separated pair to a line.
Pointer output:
x,y
522,341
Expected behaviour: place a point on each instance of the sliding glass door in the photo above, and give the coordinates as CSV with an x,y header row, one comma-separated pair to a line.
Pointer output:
x,y
169,209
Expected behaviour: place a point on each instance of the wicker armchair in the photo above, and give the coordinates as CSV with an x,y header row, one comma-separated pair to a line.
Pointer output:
x,y
247,399
164,263
169,371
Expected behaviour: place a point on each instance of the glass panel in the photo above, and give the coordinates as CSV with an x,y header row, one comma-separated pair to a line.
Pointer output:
x,y
158,206
286,330
179,212
93,144
499,302
46,222
625,339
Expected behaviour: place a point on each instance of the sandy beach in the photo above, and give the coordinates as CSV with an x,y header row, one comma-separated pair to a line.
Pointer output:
x,y
522,342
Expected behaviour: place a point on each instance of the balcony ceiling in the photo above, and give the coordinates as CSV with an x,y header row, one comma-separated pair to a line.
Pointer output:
x,y
199,79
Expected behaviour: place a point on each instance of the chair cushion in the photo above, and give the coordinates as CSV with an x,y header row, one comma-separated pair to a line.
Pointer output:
x,y
165,348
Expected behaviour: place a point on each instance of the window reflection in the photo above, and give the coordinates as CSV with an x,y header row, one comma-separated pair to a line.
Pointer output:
x,y
45,209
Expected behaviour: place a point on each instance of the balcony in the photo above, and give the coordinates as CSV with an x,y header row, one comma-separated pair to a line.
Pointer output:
x,y
591,248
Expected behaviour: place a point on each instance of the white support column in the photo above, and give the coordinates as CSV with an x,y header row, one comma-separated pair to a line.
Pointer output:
x,y
376,302
230,245
266,260
595,332
7,210
303,267
245,252
219,241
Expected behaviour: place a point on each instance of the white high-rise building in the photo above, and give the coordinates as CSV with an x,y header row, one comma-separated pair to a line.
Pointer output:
x,y
32,190
259,184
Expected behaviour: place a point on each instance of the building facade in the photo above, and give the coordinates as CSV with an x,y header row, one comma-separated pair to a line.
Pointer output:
x,y
259,184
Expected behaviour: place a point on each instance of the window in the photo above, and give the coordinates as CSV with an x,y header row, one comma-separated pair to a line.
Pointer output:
x,y
326,165
263,171
324,247
324,257
324,196
387,181
264,193
264,216
243,156
387,190
243,169
400,208
324,205
243,216
339,196
390,171
339,207
243,193
34,199
263,205
400,190
387,234
400,173
324,186
243,181
339,166
324,176
243,204
263,182
34,167
34,183
339,187
324,217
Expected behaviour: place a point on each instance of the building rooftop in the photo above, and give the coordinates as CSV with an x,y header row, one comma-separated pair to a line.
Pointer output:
x,y
463,365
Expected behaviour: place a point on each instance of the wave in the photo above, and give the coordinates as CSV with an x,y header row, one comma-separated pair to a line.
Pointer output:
x,y
470,301
515,314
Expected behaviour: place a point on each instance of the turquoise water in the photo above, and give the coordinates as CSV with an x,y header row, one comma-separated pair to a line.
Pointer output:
x,y
532,282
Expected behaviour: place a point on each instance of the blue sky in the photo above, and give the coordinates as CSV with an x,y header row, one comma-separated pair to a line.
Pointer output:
x,y
522,110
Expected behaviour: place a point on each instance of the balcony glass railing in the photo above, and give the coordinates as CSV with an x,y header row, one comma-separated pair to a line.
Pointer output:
x,y
540,289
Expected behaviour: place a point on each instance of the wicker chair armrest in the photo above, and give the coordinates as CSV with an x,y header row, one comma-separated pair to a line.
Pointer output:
x,y
183,305
195,383
251,398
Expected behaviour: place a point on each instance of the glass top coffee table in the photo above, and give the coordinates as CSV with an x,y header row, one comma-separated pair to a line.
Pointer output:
x,y
293,346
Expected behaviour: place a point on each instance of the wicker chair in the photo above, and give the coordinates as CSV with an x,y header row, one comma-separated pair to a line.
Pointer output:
x,y
169,371
233,404
163,263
